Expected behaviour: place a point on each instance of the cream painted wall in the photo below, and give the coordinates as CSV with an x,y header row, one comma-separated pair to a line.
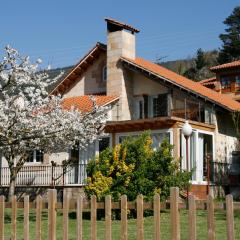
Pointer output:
x,y
144,85
91,81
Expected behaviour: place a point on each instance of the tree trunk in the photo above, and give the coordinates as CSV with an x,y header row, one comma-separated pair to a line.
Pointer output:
x,y
12,184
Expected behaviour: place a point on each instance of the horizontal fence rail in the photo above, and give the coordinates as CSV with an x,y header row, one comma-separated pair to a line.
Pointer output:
x,y
80,205
40,175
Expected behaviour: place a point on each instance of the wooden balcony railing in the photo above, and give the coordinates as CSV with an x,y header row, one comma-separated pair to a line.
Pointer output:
x,y
192,114
46,175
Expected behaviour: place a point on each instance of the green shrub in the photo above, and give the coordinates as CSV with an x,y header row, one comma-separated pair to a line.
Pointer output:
x,y
133,168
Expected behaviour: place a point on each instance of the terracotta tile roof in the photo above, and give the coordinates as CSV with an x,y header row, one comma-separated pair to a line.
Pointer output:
x,y
121,24
84,103
209,81
178,80
226,65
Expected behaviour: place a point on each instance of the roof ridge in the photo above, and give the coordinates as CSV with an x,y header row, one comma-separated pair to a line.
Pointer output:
x,y
235,63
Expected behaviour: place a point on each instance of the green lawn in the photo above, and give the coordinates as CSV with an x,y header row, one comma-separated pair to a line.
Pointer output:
x,y
148,226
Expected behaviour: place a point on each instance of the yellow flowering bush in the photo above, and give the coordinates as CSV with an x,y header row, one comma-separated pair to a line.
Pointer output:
x,y
133,168
99,185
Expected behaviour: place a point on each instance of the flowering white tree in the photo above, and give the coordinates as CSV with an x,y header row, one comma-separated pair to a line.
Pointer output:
x,y
31,119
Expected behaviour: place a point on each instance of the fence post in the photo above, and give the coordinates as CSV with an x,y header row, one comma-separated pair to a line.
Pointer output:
x,y
2,206
79,217
38,232
26,218
192,235
14,218
93,228
230,217
174,212
65,215
140,221
157,209
108,218
211,224
52,198
124,234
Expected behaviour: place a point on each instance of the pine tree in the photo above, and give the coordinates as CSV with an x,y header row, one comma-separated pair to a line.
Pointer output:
x,y
200,61
230,50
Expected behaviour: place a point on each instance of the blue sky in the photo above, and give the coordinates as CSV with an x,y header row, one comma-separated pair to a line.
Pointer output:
x,y
60,31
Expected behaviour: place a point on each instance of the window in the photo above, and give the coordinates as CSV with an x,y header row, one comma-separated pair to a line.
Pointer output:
x,y
104,143
82,156
75,154
104,73
225,82
200,145
139,108
160,105
238,80
35,156
157,137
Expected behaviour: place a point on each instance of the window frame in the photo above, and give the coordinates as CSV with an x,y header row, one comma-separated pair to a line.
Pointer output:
x,y
225,82
35,158
151,110
104,73
237,80
183,154
126,134
137,101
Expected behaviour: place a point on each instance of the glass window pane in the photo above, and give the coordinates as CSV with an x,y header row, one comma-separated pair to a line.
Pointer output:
x,y
30,157
39,156
104,143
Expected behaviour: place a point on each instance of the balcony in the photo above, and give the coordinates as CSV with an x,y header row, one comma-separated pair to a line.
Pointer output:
x,y
46,176
164,105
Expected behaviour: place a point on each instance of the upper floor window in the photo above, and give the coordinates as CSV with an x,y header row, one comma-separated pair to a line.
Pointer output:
x,y
238,80
35,156
160,105
225,82
151,106
104,73
139,108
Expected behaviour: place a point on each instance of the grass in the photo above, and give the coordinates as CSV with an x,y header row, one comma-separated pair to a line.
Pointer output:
x,y
148,226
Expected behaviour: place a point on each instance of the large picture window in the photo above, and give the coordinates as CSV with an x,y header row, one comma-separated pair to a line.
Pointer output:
x,y
157,137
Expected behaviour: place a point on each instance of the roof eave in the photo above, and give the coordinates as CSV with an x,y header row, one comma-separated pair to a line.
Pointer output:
x,y
178,85
98,45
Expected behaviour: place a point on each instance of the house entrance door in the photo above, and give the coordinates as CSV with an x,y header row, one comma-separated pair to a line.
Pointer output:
x,y
200,147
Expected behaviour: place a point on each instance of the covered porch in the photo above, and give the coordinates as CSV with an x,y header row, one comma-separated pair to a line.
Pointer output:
x,y
201,145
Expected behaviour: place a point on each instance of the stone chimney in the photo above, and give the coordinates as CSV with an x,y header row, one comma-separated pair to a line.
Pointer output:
x,y
120,43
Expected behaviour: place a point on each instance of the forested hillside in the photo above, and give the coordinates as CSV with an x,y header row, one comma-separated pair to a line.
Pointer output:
x,y
195,68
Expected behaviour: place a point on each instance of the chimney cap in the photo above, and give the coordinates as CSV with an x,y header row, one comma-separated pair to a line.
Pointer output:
x,y
116,25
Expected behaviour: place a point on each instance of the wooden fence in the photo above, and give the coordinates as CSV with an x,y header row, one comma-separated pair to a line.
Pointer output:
x,y
80,205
